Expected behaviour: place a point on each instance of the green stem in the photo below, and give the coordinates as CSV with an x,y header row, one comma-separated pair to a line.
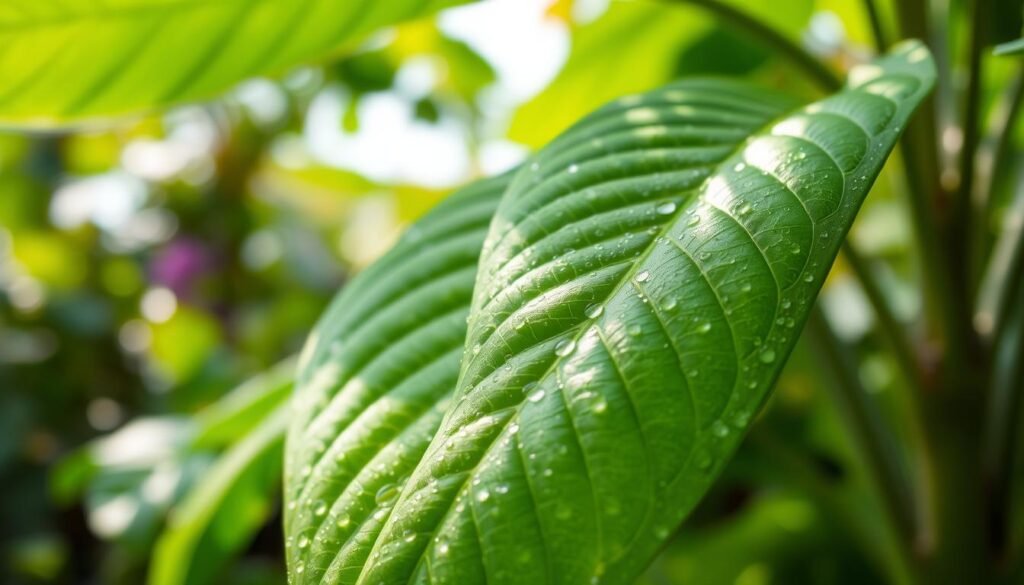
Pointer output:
x,y
961,223
1005,270
877,30
892,329
801,472
1002,425
867,428
990,163
808,63
919,153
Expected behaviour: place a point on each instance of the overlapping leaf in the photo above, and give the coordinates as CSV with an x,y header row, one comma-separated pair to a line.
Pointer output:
x,y
74,59
373,386
643,280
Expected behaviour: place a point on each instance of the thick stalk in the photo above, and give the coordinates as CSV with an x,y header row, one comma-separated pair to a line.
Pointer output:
x,y
866,426
1002,425
893,331
877,30
919,149
801,473
962,222
991,160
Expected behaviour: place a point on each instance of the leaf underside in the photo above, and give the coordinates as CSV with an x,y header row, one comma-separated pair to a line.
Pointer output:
x,y
642,282
78,59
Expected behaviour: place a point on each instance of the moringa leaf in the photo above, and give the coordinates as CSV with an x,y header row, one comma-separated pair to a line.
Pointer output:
x,y
77,59
643,280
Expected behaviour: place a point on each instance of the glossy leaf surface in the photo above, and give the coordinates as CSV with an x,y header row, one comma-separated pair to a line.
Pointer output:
x,y
643,281
373,385
70,60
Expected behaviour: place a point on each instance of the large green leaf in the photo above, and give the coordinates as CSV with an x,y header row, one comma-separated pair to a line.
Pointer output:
x,y
643,280
372,384
74,59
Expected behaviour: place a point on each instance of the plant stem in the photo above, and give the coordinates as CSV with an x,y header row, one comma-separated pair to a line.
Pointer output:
x,y
919,153
1005,270
1002,423
808,63
867,427
962,221
893,331
990,159
803,474
877,31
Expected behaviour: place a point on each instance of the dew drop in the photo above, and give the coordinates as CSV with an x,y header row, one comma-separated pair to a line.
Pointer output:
x,y
565,347
386,494
767,356
536,396
720,429
634,330
442,549
344,521
321,509
667,208
643,276
669,304
303,542
573,169
483,496
593,311
808,277
739,167
600,407
694,220
704,327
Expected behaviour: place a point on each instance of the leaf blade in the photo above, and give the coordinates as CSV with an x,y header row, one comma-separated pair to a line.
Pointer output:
x,y
73,61
601,438
348,393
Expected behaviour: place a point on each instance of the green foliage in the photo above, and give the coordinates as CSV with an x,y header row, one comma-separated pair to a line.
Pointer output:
x,y
639,290
72,61
224,509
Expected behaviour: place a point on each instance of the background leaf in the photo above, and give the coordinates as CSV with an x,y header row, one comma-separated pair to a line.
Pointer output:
x,y
67,61
224,510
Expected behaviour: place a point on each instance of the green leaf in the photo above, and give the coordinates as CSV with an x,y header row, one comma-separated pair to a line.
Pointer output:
x,y
233,416
372,385
224,509
642,283
78,59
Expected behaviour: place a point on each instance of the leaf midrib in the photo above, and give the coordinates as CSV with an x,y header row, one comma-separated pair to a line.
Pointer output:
x,y
582,327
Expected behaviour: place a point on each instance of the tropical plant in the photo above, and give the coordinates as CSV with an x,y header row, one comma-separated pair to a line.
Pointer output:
x,y
547,374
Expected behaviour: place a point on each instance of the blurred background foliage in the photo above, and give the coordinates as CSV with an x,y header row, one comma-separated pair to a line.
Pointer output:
x,y
150,266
